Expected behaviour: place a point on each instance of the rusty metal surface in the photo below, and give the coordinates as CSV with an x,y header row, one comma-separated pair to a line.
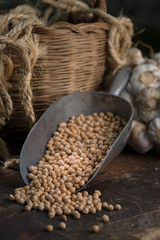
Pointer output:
x,y
133,180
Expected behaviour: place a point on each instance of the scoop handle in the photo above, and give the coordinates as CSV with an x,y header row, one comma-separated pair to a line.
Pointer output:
x,y
120,80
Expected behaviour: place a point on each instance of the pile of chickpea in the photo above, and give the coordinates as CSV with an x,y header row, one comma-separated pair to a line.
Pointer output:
x,y
73,154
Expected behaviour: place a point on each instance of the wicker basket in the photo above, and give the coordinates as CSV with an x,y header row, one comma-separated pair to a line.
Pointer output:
x,y
76,60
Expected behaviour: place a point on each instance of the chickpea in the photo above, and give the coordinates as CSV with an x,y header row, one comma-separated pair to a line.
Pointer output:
x,y
52,214
76,214
117,207
85,193
21,201
62,225
27,208
110,207
95,228
67,211
105,218
59,211
105,205
49,228
86,210
92,210
11,197
35,205
40,207
64,218
98,206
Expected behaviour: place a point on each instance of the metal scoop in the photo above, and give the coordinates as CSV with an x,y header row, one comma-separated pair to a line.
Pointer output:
x,y
72,105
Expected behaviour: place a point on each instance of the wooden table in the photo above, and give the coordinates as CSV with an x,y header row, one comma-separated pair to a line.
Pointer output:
x,y
133,180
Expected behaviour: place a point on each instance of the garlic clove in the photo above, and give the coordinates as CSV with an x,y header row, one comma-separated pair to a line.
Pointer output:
x,y
154,131
147,116
148,104
139,139
142,77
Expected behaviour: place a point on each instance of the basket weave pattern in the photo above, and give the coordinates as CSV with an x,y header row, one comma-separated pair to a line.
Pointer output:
x,y
75,61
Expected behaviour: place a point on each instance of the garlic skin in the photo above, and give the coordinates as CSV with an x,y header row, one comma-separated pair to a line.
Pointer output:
x,y
134,57
144,75
139,139
154,131
148,104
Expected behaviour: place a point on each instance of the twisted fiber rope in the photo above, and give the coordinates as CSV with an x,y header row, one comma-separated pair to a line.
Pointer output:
x,y
26,10
28,49
26,45
119,35
33,52
11,163
6,107
101,4
6,19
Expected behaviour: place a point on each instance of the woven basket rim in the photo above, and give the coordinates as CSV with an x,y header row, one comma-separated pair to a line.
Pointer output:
x,y
80,27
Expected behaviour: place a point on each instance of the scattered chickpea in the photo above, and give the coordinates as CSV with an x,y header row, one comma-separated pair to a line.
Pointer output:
x,y
49,228
110,207
95,228
62,225
105,218
117,207
105,205
64,218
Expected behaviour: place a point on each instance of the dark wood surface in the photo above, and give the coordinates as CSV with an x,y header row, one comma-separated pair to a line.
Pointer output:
x,y
133,180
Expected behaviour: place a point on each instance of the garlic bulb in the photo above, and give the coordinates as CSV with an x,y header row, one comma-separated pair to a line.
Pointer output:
x,y
134,57
139,139
154,131
144,75
148,104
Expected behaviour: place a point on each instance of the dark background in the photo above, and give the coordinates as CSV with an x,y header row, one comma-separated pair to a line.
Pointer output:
x,y
144,13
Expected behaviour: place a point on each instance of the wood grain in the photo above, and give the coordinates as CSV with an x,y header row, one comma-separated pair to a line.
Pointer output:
x,y
133,180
